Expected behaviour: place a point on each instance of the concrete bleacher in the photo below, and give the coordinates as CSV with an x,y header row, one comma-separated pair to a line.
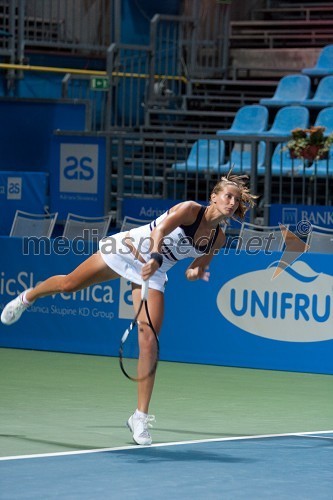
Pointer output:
x,y
294,11
281,33
284,25
209,104
289,34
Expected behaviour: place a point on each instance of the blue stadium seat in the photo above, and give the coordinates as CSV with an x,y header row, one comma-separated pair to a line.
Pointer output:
x,y
291,89
325,119
240,158
287,119
205,155
324,64
249,120
283,164
323,96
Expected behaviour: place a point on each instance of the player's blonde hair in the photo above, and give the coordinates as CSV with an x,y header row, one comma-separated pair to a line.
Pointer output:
x,y
247,200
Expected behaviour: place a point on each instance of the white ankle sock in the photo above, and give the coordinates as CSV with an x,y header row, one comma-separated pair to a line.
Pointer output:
x,y
140,414
25,300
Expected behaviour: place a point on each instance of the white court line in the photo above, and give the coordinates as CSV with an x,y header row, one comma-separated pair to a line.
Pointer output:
x,y
161,445
316,437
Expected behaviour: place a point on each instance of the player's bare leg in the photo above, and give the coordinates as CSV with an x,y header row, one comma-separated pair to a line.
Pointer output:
x,y
90,272
139,421
147,341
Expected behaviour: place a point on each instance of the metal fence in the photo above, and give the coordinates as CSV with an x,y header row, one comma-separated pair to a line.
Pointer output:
x,y
7,29
142,78
68,24
81,87
145,79
178,167
128,69
206,46
73,25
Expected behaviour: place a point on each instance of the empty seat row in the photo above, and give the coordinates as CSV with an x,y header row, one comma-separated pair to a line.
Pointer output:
x,y
296,89
208,155
253,120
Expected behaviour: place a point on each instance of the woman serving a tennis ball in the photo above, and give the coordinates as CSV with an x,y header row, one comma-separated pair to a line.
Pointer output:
x,y
187,230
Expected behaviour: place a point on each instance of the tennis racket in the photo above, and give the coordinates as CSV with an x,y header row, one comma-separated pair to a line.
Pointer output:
x,y
139,333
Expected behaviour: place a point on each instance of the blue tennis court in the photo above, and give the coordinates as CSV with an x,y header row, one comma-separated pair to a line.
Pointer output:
x,y
294,466
220,432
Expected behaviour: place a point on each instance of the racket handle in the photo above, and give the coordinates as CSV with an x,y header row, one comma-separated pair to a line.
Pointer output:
x,y
144,290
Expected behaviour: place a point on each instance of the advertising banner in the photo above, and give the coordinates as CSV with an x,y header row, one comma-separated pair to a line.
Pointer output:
x,y
146,208
25,191
244,317
319,215
247,315
85,321
77,182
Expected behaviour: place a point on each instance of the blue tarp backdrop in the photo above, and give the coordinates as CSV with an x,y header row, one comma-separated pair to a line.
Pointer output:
x,y
241,317
27,127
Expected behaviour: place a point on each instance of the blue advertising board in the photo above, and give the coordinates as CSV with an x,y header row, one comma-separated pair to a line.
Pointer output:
x,y
77,177
242,317
319,215
25,191
146,208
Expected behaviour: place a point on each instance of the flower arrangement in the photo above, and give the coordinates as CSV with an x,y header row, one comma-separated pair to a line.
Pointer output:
x,y
309,144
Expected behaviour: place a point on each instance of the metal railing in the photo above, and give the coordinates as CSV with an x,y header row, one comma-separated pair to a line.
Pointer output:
x,y
146,166
81,86
8,29
67,24
128,71
142,78
205,49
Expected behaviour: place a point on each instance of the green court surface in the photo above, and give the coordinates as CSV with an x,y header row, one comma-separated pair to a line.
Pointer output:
x,y
57,402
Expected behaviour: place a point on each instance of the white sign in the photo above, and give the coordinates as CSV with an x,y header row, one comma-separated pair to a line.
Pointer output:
x,y
126,310
14,188
297,306
78,168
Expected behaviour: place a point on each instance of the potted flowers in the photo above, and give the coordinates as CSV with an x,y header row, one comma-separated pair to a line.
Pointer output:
x,y
309,144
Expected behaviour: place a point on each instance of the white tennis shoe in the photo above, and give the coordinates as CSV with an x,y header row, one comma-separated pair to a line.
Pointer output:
x,y
14,309
139,426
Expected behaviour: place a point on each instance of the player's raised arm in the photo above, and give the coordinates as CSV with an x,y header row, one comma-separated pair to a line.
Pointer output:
x,y
199,268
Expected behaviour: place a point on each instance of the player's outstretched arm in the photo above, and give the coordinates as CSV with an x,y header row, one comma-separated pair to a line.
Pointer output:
x,y
199,268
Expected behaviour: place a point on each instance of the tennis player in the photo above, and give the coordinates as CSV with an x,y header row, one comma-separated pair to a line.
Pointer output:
x,y
187,230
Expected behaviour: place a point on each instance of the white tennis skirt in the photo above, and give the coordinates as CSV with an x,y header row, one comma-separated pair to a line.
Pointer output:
x,y
120,259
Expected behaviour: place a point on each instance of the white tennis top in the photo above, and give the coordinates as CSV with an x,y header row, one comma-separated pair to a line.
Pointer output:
x,y
177,245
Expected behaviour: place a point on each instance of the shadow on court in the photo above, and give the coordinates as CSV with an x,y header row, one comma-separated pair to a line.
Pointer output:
x,y
155,455
66,445
182,432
